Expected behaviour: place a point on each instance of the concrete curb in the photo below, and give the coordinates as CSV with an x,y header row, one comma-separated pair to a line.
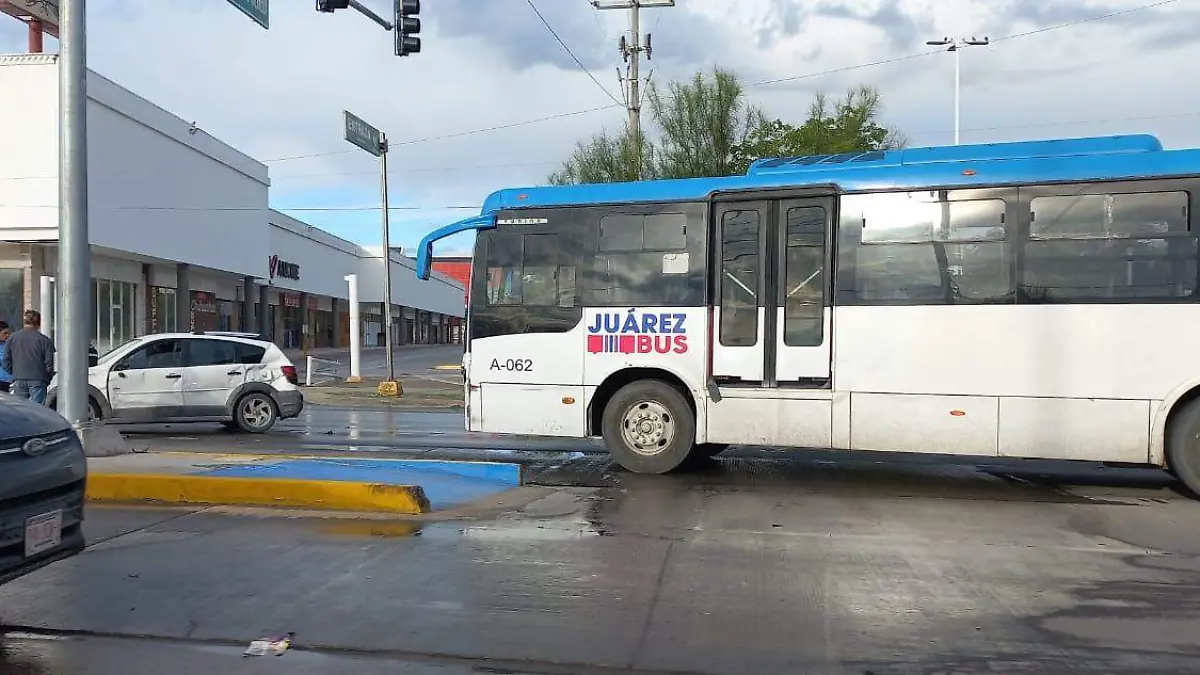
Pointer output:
x,y
278,492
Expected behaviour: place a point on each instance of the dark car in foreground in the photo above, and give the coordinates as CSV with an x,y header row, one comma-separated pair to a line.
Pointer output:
x,y
43,473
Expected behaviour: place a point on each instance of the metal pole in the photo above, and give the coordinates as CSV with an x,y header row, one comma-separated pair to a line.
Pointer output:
x,y
74,259
355,332
957,90
387,265
47,305
635,103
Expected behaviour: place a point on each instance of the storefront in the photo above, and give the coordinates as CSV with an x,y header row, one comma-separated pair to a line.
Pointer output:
x,y
210,248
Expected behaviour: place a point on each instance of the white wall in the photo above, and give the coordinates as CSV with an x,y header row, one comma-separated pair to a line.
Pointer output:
x,y
155,188
324,259
28,147
438,294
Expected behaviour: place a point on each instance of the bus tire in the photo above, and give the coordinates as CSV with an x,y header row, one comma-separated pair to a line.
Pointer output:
x,y
649,427
1183,446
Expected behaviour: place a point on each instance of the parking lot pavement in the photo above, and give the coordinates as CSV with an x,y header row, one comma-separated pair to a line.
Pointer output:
x,y
827,565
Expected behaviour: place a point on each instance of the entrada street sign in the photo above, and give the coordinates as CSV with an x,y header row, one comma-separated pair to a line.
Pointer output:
x,y
362,134
259,10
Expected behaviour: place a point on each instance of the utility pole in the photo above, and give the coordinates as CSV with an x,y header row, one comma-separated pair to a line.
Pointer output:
x,y
387,259
956,45
631,52
74,252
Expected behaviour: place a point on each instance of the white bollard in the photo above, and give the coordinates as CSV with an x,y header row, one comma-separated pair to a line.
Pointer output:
x,y
308,371
48,306
355,332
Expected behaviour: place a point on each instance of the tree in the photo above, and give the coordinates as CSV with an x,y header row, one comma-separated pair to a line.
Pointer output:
x,y
702,123
607,158
852,124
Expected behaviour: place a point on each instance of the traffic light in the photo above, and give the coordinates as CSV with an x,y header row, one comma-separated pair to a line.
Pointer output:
x,y
408,24
330,5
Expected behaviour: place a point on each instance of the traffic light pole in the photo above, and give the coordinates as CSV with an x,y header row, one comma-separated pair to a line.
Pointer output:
x,y
366,11
74,253
387,261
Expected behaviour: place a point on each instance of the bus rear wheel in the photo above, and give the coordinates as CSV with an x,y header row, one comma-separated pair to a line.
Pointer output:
x,y
649,427
1183,446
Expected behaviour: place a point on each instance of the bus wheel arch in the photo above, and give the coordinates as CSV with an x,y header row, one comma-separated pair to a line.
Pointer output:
x,y
621,378
1181,440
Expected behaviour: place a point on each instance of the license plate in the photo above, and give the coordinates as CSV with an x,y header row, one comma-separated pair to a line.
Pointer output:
x,y
43,532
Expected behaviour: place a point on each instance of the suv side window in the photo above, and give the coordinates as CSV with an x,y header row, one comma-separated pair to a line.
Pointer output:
x,y
157,354
211,353
248,354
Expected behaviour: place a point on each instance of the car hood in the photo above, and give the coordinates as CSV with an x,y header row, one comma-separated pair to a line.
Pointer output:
x,y
19,418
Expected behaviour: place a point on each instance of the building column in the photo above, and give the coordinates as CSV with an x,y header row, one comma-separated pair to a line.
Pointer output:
x,y
264,310
247,318
305,335
183,297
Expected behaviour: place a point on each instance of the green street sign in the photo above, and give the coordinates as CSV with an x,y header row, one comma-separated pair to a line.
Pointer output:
x,y
259,10
362,134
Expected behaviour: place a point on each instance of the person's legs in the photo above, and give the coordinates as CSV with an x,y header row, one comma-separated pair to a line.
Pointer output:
x,y
20,388
37,392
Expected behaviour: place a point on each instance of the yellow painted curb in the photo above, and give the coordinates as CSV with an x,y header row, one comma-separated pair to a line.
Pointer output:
x,y
328,495
448,366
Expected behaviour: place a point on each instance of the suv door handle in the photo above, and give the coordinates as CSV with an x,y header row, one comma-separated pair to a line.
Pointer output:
x,y
234,372
173,376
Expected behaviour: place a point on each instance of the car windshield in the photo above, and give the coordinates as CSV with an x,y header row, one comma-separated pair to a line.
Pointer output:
x,y
108,355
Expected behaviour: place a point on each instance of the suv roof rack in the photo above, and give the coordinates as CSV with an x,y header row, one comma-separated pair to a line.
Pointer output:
x,y
233,333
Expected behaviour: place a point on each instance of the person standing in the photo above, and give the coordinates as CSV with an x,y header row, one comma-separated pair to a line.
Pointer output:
x,y
29,358
5,376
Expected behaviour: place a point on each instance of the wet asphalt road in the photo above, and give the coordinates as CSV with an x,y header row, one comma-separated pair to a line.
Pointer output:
x,y
816,563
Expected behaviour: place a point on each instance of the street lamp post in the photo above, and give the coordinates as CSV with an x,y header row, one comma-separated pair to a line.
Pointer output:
x,y
956,45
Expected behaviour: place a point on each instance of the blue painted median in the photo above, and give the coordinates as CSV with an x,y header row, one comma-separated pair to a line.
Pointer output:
x,y
445,483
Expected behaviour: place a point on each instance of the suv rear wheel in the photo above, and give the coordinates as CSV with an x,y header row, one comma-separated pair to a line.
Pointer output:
x,y
255,413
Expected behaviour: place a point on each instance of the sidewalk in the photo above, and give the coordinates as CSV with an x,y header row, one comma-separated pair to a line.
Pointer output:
x,y
398,486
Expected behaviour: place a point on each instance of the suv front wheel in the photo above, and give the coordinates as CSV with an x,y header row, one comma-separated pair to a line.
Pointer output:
x,y
255,413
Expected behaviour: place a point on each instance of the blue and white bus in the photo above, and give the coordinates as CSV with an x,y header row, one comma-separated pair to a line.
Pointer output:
x,y
1032,299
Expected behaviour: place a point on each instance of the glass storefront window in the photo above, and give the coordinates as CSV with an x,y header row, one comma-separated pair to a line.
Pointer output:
x,y
12,296
113,313
163,312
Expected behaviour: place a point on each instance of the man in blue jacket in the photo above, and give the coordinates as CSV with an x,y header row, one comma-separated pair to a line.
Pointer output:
x,y
5,376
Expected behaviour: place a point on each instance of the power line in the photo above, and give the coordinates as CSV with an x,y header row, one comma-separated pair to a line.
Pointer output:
x,y
831,71
1077,22
571,53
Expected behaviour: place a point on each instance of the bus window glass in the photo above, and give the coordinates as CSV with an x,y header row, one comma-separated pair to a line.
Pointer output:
x,y
650,259
804,282
665,232
621,233
504,270
1105,247
739,278
539,270
927,248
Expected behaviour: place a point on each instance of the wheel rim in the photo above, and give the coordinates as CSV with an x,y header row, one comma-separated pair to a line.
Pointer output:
x,y
648,427
256,412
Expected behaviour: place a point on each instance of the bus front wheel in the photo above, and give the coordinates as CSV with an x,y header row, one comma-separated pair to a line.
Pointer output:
x,y
1183,446
649,427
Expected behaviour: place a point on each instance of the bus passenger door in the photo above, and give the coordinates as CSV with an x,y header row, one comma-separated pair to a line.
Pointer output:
x,y
801,319
739,311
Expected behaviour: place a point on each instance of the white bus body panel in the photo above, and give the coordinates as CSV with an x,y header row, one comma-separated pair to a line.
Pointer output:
x,y
1064,381
521,384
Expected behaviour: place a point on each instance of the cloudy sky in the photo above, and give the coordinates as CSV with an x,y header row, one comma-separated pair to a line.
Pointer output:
x,y
278,94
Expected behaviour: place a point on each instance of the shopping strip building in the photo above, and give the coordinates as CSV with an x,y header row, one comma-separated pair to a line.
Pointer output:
x,y
181,234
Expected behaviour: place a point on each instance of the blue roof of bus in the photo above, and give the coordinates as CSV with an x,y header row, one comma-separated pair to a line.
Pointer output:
x,y
1101,158
1062,160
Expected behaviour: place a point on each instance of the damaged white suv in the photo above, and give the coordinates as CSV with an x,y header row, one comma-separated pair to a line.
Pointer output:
x,y
241,380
